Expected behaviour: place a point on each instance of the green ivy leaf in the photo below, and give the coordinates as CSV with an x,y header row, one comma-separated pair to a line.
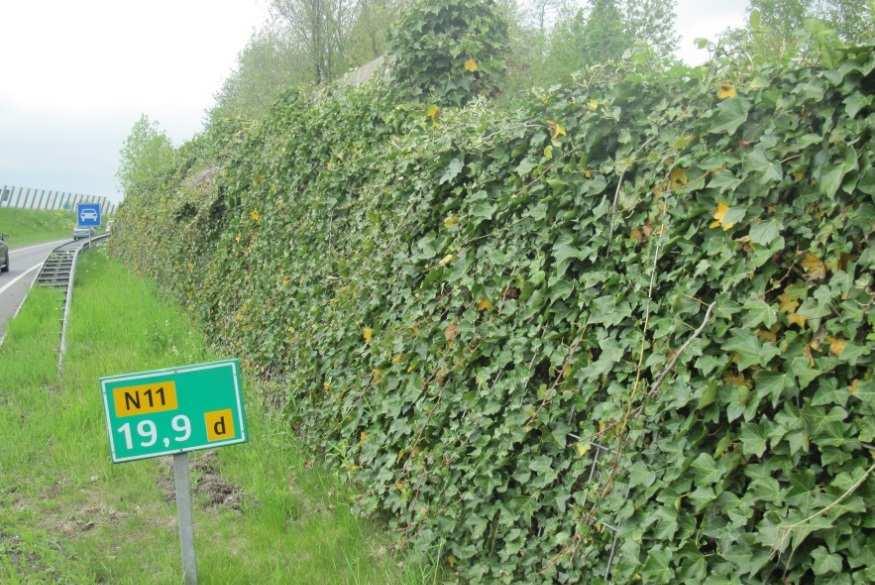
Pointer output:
x,y
758,162
825,562
765,233
452,171
525,167
751,351
731,114
753,440
854,103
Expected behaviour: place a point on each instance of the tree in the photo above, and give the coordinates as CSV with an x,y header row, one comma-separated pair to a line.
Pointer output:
x,y
369,35
604,35
853,20
272,61
322,26
652,22
147,157
599,31
779,31
596,34
782,16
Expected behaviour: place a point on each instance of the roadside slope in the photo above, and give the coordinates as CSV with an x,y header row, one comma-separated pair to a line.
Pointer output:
x,y
264,512
28,226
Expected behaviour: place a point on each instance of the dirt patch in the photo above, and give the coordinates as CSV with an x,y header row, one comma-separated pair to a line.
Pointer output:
x,y
87,518
208,483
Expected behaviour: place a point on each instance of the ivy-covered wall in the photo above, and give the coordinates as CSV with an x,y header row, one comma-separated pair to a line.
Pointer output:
x,y
621,332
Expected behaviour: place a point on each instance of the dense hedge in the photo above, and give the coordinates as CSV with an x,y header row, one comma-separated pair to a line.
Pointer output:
x,y
625,327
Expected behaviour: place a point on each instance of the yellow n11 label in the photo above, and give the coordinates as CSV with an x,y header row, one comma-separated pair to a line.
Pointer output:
x,y
145,399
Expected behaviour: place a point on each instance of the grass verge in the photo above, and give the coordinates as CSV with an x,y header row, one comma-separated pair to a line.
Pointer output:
x,y
30,226
265,512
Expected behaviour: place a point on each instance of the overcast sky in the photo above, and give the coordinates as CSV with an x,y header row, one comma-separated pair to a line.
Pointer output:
x,y
76,75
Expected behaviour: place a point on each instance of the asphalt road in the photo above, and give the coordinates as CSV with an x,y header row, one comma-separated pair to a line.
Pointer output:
x,y
24,265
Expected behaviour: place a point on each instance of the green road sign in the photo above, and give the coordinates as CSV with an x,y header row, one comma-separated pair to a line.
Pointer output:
x,y
166,412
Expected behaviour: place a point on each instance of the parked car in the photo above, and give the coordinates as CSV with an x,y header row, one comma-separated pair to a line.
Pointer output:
x,y
80,233
4,254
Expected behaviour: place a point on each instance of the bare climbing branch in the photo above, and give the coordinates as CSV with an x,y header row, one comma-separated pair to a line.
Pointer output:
x,y
788,529
668,368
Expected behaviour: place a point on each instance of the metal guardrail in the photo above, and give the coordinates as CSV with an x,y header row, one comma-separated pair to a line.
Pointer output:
x,y
59,271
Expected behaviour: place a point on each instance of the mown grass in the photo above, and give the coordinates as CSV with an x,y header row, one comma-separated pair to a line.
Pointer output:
x,y
29,226
265,512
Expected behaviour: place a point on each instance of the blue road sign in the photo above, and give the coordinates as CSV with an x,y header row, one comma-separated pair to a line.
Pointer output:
x,y
88,214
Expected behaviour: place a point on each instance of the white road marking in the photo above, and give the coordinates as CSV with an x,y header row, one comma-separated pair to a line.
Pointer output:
x,y
19,277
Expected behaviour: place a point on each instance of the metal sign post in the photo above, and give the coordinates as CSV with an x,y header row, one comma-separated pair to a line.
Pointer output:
x,y
172,412
182,484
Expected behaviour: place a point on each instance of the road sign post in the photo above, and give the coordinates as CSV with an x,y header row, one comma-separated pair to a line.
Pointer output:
x,y
173,412
182,484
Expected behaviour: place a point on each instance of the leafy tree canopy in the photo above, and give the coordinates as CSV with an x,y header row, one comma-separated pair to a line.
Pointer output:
x,y
147,155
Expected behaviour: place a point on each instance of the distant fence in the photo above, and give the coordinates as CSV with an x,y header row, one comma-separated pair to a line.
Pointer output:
x,y
27,198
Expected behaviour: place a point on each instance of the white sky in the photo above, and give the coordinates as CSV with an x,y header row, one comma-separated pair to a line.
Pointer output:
x,y
76,75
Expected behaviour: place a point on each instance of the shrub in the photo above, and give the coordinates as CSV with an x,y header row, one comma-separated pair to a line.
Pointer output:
x,y
449,51
622,333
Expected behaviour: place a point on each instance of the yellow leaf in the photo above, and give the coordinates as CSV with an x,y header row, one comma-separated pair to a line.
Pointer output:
x,y
484,304
787,302
720,217
446,260
836,345
854,388
451,221
471,65
814,267
587,173
736,380
683,142
433,112
556,130
797,319
363,436
726,91
377,375
548,152
254,215
592,105
326,386
767,336
451,332
582,448
679,179
636,235
367,334
397,358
